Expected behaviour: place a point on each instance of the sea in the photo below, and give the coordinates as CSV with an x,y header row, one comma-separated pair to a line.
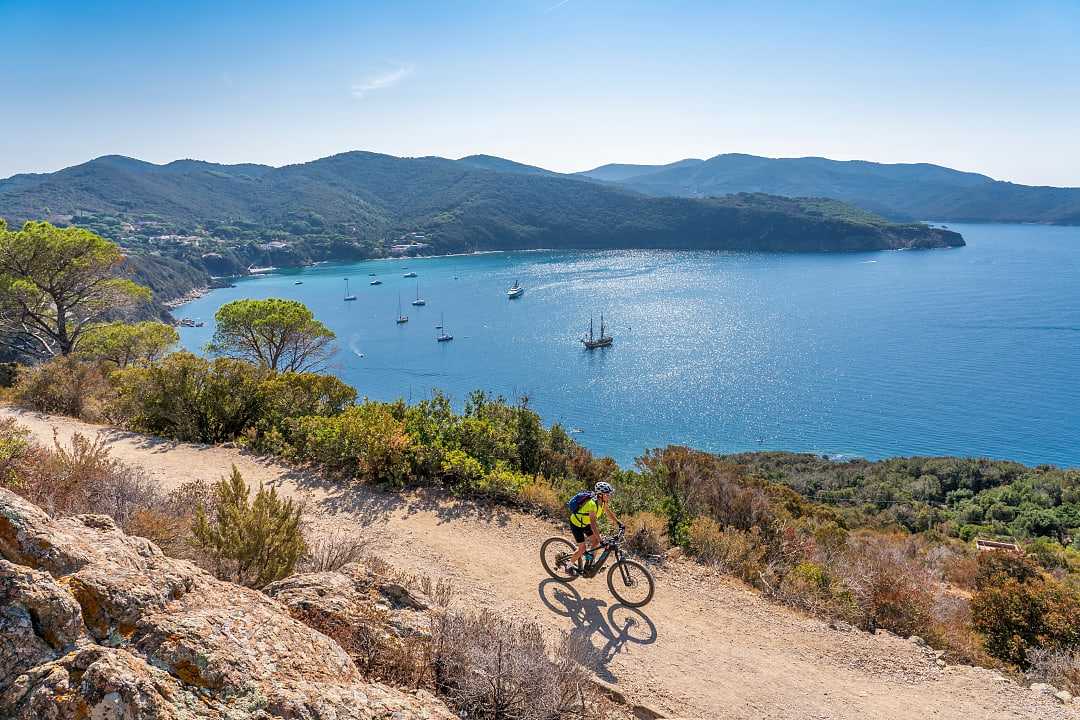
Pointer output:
x,y
970,351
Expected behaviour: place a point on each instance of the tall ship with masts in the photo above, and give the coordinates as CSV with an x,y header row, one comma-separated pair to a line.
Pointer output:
x,y
591,342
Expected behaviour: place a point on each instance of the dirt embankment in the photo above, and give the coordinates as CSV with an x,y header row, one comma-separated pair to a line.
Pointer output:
x,y
705,647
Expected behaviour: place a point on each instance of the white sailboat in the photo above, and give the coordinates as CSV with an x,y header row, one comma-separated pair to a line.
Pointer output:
x,y
443,336
348,297
419,300
401,319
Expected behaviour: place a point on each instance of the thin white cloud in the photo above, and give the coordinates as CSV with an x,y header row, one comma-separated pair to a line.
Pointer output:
x,y
557,5
382,81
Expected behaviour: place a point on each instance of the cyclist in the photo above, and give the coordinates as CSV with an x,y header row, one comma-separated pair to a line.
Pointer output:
x,y
583,524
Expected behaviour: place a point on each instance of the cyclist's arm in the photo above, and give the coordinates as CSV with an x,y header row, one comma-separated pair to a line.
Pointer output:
x,y
594,527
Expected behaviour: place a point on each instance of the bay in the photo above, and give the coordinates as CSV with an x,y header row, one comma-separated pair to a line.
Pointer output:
x,y
969,351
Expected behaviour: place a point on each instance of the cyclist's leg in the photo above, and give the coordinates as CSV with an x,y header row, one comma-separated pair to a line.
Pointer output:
x,y
579,538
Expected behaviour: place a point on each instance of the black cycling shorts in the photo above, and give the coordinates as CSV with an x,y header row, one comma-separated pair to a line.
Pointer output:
x,y
580,533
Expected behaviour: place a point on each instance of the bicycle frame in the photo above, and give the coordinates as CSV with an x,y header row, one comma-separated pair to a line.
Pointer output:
x,y
597,563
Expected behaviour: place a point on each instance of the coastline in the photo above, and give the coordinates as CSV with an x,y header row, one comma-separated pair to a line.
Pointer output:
x,y
189,296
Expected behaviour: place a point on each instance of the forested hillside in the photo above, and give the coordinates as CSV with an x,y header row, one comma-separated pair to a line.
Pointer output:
x,y
918,191
219,219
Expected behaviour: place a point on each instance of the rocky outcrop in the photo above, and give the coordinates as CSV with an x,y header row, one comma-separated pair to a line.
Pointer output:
x,y
98,624
354,595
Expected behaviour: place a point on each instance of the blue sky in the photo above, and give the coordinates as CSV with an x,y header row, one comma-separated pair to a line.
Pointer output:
x,y
987,86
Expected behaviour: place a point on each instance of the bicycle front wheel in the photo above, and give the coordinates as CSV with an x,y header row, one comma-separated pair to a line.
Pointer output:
x,y
554,551
631,583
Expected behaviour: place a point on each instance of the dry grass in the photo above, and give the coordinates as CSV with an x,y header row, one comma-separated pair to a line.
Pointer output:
x,y
488,667
1059,667
646,534
737,552
890,582
333,551
378,653
541,495
65,386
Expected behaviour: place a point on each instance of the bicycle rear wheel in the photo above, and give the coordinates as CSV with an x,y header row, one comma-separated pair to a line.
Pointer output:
x,y
631,583
552,553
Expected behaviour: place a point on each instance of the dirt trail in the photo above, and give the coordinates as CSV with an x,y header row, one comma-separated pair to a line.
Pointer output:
x,y
705,647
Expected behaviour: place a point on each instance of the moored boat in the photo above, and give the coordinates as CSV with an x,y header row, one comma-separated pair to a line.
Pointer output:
x,y
592,342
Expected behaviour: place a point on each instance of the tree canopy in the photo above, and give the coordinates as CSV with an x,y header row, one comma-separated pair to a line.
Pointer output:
x,y
129,343
57,284
282,335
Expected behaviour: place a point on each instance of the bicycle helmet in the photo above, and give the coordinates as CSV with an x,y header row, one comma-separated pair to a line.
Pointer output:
x,y
603,488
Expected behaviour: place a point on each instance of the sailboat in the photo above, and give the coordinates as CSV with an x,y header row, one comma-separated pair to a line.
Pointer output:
x,y
348,297
419,300
409,274
443,336
515,291
592,342
376,281
400,318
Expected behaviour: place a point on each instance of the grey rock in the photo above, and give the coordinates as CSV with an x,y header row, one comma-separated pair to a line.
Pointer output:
x,y
106,626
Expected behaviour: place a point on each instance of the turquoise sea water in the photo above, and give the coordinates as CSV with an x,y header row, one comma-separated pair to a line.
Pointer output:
x,y
971,351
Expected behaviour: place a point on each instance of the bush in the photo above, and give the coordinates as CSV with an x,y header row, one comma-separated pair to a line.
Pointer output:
x,y
541,495
1018,612
249,543
813,588
186,397
333,551
373,645
81,479
646,534
488,667
365,441
735,551
65,385
15,449
893,588
1059,667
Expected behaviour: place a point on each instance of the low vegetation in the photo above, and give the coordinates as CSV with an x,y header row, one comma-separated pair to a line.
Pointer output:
x,y
882,545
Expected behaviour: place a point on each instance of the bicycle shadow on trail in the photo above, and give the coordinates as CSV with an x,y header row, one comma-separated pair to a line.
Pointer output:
x,y
600,634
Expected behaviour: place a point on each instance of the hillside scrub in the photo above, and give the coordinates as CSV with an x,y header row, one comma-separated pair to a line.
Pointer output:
x,y
859,541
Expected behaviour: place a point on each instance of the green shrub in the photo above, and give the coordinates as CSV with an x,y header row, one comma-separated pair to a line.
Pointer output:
x,y
251,543
365,441
186,397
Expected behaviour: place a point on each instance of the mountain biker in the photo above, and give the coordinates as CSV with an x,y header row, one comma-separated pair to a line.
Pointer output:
x,y
583,524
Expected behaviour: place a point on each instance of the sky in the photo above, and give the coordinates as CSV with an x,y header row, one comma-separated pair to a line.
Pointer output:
x,y
986,86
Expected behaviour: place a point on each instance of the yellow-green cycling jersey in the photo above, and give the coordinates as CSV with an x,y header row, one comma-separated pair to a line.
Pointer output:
x,y
581,517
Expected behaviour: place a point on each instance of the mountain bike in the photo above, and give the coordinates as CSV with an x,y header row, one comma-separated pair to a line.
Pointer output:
x,y
628,580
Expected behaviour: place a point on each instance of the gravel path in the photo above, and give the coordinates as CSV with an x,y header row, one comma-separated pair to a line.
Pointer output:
x,y
705,647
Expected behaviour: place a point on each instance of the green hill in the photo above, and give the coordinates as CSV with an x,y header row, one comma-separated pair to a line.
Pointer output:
x,y
902,191
221,218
